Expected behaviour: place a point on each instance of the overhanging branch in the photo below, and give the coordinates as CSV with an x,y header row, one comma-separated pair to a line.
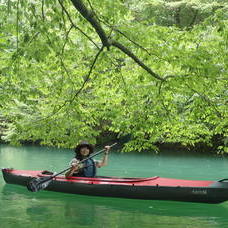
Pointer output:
x,y
75,26
135,58
89,15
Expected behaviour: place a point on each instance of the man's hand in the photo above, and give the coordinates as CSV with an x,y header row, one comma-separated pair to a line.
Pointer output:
x,y
75,166
107,148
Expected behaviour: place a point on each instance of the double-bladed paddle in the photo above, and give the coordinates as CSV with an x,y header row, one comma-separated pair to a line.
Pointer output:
x,y
38,183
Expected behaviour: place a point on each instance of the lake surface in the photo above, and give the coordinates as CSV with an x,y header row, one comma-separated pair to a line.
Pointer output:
x,y
20,208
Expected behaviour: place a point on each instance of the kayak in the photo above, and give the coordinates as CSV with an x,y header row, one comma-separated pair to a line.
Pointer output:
x,y
150,188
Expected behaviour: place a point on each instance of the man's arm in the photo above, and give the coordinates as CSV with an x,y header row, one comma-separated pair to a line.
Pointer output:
x,y
104,161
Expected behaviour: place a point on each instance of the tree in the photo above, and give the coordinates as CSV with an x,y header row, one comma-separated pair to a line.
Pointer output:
x,y
70,71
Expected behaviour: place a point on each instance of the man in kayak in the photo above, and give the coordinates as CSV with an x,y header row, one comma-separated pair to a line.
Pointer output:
x,y
88,167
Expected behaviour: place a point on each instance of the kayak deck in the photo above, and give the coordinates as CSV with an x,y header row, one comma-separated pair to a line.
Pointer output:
x,y
150,181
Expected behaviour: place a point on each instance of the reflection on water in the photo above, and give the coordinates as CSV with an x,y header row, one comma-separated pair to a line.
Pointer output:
x,y
57,209
44,209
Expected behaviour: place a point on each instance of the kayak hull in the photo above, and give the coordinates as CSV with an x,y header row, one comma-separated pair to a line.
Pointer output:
x,y
134,188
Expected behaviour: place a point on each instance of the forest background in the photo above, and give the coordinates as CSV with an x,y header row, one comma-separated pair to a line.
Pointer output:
x,y
147,73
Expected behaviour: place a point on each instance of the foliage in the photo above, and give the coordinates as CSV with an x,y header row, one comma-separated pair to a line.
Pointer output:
x,y
182,13
47,92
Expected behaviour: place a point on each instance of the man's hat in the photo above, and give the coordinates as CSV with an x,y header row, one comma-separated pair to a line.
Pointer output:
x,y
84,144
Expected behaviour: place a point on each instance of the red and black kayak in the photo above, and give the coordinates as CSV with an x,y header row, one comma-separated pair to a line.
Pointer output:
x,y
152,188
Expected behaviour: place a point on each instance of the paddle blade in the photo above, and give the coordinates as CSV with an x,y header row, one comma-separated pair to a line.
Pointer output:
x,y
37,184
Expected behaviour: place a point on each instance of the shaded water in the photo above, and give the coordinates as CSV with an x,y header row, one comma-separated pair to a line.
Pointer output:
x,y
21,208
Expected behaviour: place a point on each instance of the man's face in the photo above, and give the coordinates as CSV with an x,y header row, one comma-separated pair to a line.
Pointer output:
x,y
84,151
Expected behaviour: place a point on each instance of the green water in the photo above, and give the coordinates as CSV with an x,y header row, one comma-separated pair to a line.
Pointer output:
x,y
20,208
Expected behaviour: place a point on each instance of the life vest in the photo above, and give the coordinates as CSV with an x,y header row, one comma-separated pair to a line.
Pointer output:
x,y
89,169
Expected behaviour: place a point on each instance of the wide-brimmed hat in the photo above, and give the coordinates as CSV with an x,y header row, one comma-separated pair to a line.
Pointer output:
x,y
84,144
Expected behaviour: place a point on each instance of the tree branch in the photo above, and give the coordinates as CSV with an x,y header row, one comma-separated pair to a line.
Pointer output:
x,y
89,16
42,9
193,19
75,26
205,98
66,39
88,75
78,92
135,58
